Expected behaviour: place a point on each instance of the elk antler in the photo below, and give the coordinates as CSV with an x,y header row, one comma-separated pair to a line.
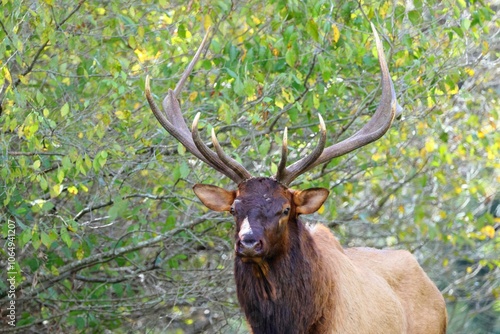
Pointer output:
x,y
173,121
376,127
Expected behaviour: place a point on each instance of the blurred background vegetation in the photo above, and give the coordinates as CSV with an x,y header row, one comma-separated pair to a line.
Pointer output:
x,y
109,235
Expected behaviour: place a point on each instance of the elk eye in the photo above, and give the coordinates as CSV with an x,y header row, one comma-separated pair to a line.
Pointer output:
x,y
286,211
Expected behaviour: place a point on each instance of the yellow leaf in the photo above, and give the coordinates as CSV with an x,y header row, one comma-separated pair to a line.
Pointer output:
x,y
489,231
279,103
491,155
469,270
142,55
399,62
430,145
24,79
348,188
73,190
256,20
486,48
376,157
193,96
430,102
336,33
384,9
451,90
7,75
56,190
470,72
287,95
244,55
321,209
207,22
140,31
101,11
80,253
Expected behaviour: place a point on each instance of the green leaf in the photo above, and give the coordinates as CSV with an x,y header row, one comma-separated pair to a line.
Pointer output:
x,y
291,57
465,24
264,147
312,30
118,208
65,109
414,16
238,87
66,237
40,99
184,170
46,240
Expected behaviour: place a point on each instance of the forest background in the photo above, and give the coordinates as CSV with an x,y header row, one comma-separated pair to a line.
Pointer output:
x,y
97,197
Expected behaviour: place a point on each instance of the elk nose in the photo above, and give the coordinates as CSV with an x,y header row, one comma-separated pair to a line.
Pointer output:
x,y
249,246
250,243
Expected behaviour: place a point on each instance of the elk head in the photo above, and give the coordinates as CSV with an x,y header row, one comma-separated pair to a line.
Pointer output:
x,y
265,209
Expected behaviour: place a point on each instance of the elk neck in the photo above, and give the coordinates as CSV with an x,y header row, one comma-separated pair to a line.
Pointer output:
x,y
278,294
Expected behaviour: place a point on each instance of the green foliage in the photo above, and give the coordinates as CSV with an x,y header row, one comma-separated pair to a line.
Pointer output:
x,y
108,232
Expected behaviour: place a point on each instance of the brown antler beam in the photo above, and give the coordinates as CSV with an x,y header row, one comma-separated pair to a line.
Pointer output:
x,y
375,128
172,120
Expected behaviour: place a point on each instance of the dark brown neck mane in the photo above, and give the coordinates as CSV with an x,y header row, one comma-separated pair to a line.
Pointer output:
x,y
277,294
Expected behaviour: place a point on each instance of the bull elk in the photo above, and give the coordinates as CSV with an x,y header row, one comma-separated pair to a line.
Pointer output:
x,y
295,278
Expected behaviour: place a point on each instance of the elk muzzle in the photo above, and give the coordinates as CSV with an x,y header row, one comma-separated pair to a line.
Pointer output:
x,y
249,243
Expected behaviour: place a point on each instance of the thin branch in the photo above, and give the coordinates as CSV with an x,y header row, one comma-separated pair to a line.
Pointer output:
x,y
47,280
30,154
92,208
6,32
30,67
111,202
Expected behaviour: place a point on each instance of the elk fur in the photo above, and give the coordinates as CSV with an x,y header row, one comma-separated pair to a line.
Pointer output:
x,y
318,287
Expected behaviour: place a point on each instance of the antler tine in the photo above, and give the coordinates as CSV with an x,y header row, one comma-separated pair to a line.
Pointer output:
x,y
280,174
286,175
375,128
170,102
224,160
173,121
230,162
177,132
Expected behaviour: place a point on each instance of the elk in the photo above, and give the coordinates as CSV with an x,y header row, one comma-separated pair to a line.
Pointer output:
x,y
295,278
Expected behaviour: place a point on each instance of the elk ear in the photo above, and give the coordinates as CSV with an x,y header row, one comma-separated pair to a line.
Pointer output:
x,y
309,200
214,198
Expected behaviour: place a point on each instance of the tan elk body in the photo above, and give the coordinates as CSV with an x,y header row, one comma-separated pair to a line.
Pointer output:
x,y
294,278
